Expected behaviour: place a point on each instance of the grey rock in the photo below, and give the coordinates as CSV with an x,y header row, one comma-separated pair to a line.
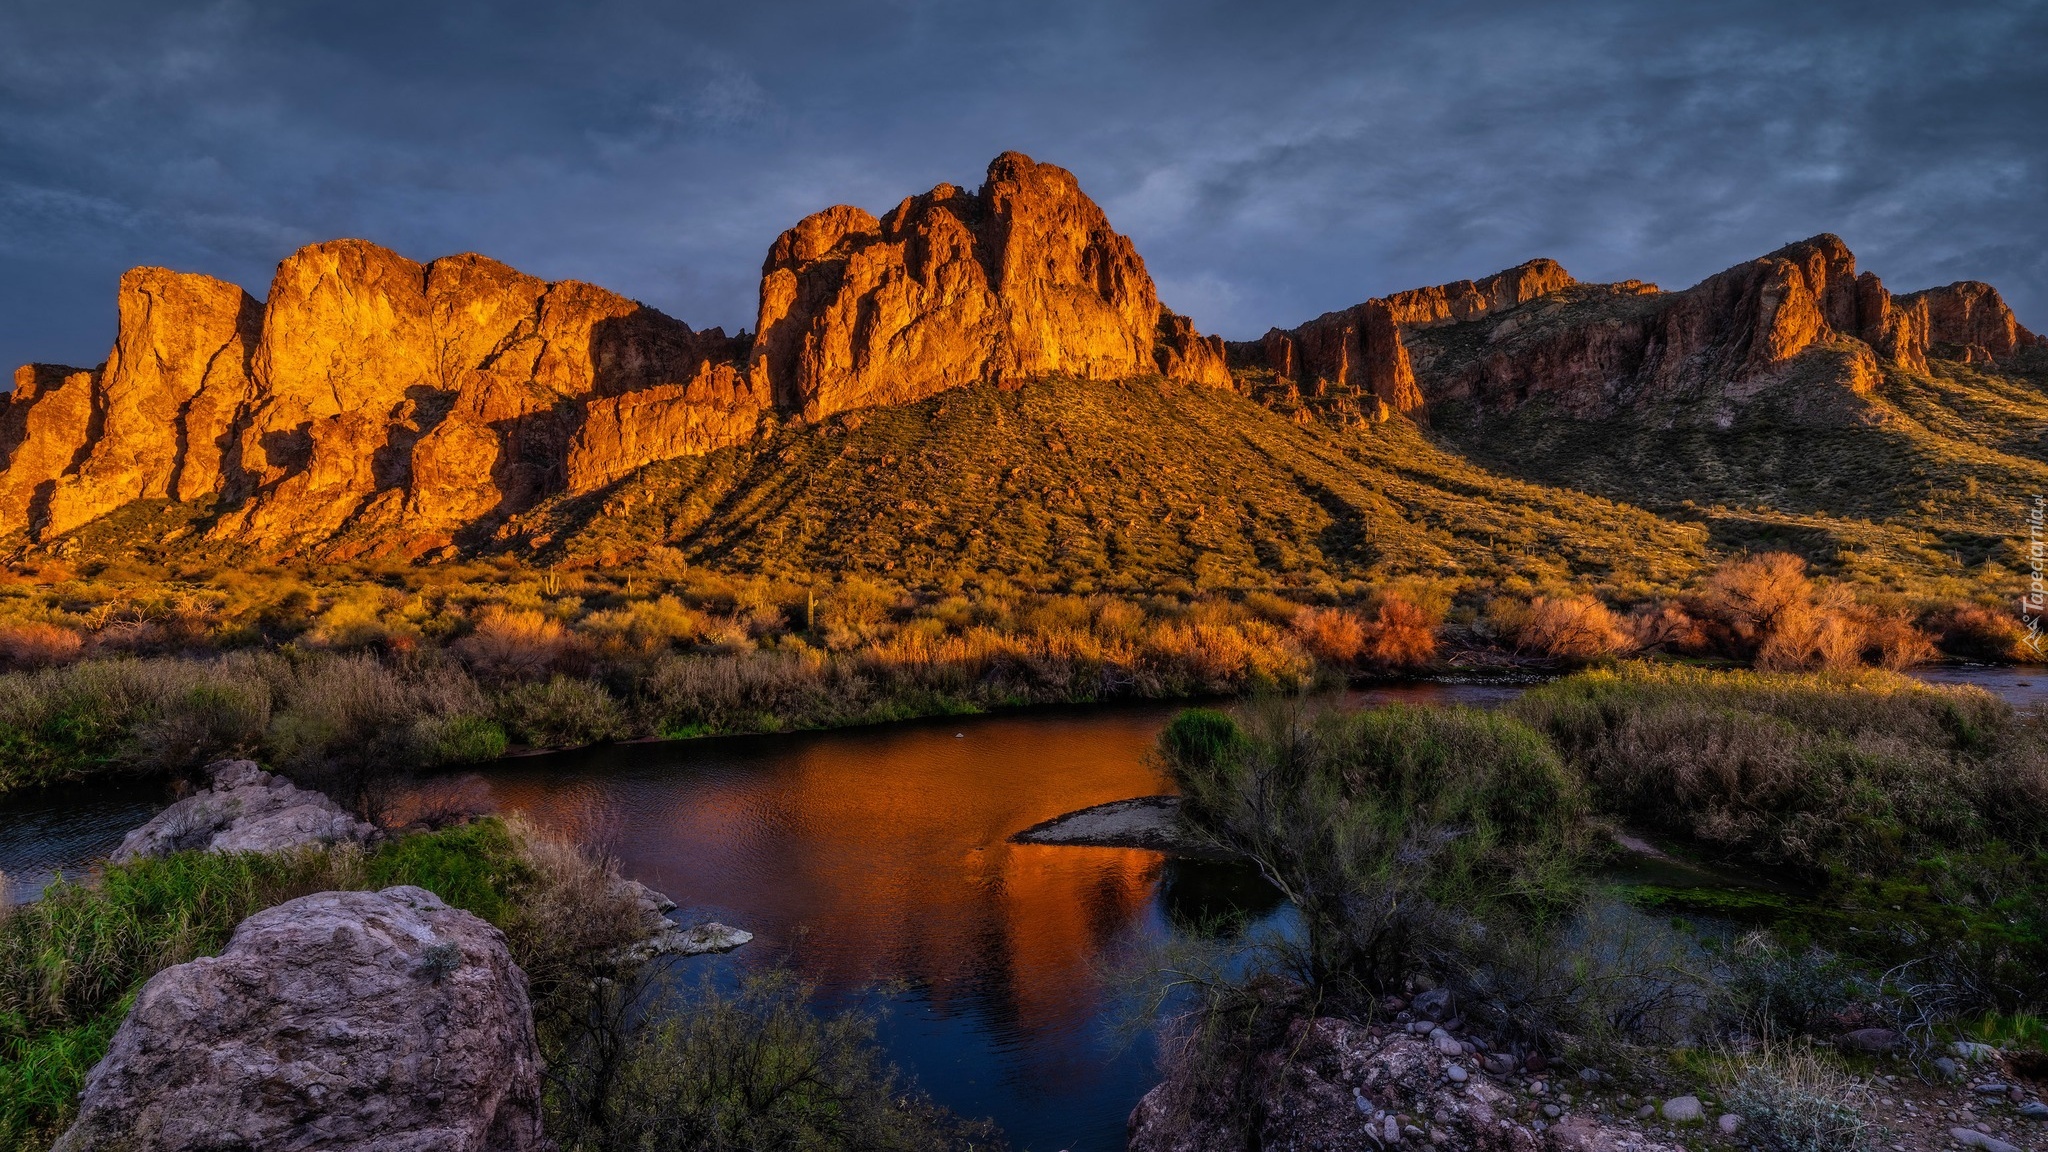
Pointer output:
x,y
1991,1088
1683,1109
694,941
1552,1111
2034,1110
1971,1138
1308,1103
1435,1003
1972,1052
1729,1123
379,1021
245,810
1456,1073
1948,1067
1869,1040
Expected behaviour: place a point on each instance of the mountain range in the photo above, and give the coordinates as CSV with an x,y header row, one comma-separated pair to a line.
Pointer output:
x,y
986,380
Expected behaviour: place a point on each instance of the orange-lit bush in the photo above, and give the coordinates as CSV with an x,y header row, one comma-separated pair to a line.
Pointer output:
x,y
520,644
37,645
1975,632
1785,621
1401,635
1560,628
1331,635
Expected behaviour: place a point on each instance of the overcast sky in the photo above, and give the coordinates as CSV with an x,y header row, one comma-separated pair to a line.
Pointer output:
x,y
1272,160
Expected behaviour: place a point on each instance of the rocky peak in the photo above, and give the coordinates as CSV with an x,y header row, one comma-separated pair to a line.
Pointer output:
x,y
1023,278
1361,349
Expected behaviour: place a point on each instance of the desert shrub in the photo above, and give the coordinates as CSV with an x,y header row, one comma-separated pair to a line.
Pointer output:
x,y
1192,658
645,627
1890,640
1975,632
156,714
733,692
1387,828
1758,592
353,622
1773,990
1858,771
519,644
1559,627
1605,974
752,1070
1797,1099
561,712
458,739
37,645
1400,635
1775,614
1331,635
1664,626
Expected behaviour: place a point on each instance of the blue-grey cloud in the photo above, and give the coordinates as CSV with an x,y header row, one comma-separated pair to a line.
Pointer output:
x,y
1272,160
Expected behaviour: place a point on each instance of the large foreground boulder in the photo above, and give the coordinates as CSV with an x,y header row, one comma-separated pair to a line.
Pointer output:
x,y
1337,1087
246,810
374,1021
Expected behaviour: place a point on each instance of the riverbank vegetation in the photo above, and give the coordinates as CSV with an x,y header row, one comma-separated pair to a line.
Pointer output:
x,y
337,674
1887,841
72,962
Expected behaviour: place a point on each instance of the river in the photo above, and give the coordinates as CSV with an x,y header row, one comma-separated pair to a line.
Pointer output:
x,y
878,863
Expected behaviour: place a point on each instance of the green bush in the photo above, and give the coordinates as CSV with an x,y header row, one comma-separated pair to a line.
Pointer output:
x,y
476,867
755,1070
459,739
1851,772
561,713
1389,828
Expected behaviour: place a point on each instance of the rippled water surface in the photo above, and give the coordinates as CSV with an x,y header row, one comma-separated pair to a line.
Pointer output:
x,y
881,856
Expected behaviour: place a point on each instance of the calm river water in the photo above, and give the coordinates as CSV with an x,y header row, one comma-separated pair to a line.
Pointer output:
x,y
880,858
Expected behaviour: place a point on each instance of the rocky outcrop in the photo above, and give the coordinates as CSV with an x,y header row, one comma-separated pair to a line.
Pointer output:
x,y
430,398
1969,321
1023,278
43,432
1801,313
382,1021
152,423
1361,350
661,936
619,434
375,404
245,810
1339,1087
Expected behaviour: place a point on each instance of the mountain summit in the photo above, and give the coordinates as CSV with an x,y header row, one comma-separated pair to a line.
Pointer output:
x,y
425,403
376,405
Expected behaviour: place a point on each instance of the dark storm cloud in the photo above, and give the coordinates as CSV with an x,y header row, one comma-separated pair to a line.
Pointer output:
x,y
1273,161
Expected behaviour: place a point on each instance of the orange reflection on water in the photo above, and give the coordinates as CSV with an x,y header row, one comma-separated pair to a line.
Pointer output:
x,y
883,854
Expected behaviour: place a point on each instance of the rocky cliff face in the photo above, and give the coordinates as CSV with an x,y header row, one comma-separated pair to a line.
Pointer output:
x,y
1801,312
1023,278
1362,350
372,403
375,404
